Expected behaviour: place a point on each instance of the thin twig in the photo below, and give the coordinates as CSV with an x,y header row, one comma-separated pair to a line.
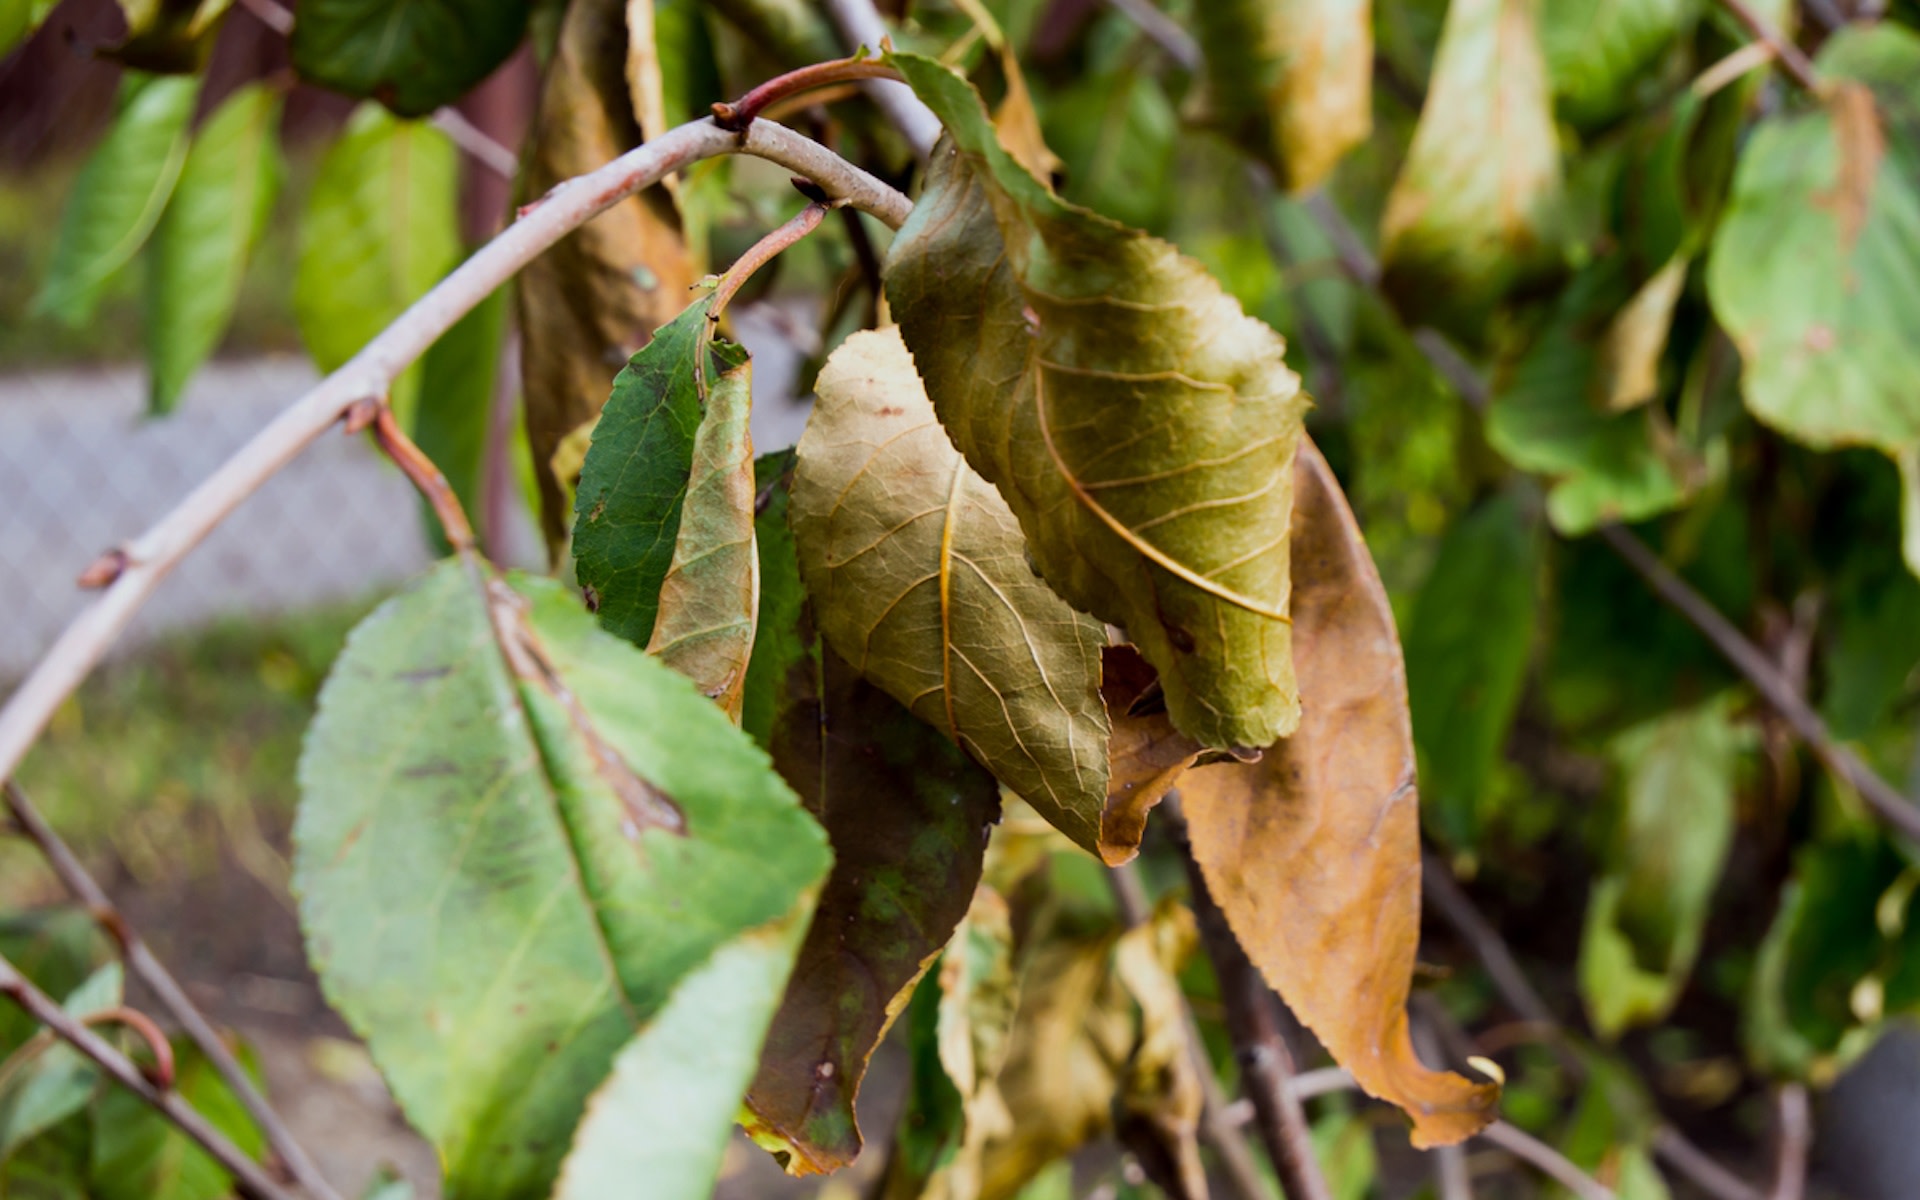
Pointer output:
x,y
737,114
417,467
141,564
764,251
477,142
1793,1134
149,970
1886,802
1162,31
250,1177
1684,1158
1545,1159
1266,1067
860,25
1217,1129
1796,63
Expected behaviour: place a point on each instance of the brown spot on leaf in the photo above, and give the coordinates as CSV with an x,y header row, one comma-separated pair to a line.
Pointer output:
x,y
1862,144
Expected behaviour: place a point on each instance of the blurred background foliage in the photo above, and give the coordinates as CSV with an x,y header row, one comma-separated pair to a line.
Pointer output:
x,y
1682,333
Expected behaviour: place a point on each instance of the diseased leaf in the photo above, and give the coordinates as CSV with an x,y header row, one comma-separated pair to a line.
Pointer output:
x,y
634,481
1647,913
44,1082
710,597
454,416
1597,50
1313,853
1139,425
380,229
666,1111
918,578
1815,271
119,195
588,304
1468,646
413,56
201,246
1547,416
1290,80
139,1154
907,813
1475,211
519,838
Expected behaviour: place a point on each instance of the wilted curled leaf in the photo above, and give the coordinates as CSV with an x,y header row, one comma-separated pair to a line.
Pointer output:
x,y
1290,80
919,578
1475,210
979,993
1146,754
1138,423
711,595
594,299
907,813
1314,852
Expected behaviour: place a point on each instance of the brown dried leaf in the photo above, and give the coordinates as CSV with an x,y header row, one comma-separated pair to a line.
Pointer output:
x,y
1161,1097
1314,852
589,303
1146,755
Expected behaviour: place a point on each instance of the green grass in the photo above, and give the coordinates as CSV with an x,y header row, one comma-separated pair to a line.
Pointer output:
x,y
168,757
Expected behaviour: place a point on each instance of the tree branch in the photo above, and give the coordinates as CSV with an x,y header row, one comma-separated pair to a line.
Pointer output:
x,y
1793,1133
148,969
251,1178
1774,687
1162,31
1790,57
132,572
1545,1159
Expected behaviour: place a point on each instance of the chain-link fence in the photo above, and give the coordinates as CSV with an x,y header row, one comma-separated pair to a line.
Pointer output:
x,y
83,469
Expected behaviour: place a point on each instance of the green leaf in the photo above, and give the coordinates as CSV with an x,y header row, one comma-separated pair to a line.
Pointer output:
x,y
412,56
1843,954
1816,268
1549,415
454,415
1290,80
18,20
779,642
1474,213
46,1082
634,482
201,246
380,229
665,1113
57,948
917,575
139,1155
670,63
519,837
1140,426
1468,646
585,306
1597,50
118,198
1115,131
1648,913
